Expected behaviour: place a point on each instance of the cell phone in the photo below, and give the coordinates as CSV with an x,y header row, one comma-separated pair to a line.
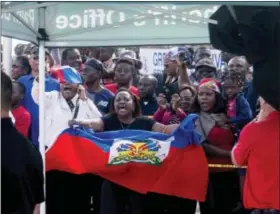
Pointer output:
x,y
184,58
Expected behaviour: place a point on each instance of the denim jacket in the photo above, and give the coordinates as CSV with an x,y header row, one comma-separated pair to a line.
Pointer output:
x,y
243,112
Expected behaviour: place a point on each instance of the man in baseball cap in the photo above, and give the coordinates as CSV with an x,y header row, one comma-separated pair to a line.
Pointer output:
x,y
205,68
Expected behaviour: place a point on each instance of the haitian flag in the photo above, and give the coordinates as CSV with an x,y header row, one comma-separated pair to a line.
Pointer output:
x,y
138,160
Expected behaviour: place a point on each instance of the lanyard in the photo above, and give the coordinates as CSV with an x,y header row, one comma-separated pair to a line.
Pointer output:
x,y
76,109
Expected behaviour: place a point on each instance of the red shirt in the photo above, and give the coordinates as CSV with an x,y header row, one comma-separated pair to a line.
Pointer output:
x,y
258,148
22,120
113,88
223,139
231,108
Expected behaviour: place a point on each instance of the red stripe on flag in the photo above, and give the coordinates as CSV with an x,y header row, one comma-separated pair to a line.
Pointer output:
x,y
184,173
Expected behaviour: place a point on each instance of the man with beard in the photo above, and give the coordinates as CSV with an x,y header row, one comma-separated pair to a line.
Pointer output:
x,y
72,58
147,88
28,102
240,65
66,193
92,74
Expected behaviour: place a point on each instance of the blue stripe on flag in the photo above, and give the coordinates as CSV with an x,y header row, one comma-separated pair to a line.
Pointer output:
x,y
183,136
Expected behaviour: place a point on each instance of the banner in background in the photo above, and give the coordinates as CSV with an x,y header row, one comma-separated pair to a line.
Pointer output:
x,y
217,58
152,59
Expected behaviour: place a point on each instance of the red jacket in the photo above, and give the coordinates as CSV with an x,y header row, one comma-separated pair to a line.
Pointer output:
x,y
164,116
113,88
22,120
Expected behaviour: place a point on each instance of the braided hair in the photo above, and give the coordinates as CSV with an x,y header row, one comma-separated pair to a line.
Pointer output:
x,y
237,78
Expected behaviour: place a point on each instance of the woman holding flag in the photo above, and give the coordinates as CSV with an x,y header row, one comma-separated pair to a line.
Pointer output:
x,y
125,114
217,140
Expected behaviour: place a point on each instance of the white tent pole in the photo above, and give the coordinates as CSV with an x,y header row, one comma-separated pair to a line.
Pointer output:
x,y
7,55
42,113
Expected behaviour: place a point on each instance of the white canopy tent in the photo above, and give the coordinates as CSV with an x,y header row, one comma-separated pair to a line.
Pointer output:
x,y
84,24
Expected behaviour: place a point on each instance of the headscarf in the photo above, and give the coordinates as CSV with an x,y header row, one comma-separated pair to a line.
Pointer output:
x,y
211,84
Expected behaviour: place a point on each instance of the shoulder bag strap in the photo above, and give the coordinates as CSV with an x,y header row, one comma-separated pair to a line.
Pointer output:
x,y
202,128
76,111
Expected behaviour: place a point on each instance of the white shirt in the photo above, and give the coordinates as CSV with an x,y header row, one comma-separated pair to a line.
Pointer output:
x,y
58,113
12,117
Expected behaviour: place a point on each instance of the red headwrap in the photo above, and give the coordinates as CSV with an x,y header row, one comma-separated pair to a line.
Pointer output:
x,y
211,84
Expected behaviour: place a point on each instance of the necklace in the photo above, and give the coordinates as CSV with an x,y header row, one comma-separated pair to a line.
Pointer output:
x,y
125,126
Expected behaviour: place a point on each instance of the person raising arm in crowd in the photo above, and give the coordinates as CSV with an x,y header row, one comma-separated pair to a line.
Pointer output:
x,y
169,113
65,192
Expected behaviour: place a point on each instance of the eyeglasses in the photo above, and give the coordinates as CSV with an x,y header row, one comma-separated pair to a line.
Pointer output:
x,y
36,57
17,66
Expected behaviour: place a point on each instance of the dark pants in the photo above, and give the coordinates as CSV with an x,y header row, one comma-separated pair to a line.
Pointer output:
x,y
223,195
116,199
271,211
68,193
164,204
119,200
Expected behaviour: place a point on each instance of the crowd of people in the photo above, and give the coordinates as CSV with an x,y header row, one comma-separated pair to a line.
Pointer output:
x,y
107,94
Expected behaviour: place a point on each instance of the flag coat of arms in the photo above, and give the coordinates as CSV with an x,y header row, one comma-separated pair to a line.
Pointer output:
x,y
139,160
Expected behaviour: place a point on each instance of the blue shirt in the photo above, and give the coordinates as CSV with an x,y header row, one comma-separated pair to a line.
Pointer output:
x,y
251,96
50,85
101,100
148,108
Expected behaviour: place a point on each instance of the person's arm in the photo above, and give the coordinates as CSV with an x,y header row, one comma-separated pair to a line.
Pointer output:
x,y
35,175
36,209
158,115
49,96
209,149
214,150
244,115
242,149
183,79
181,114
93,111
95,124
165,129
